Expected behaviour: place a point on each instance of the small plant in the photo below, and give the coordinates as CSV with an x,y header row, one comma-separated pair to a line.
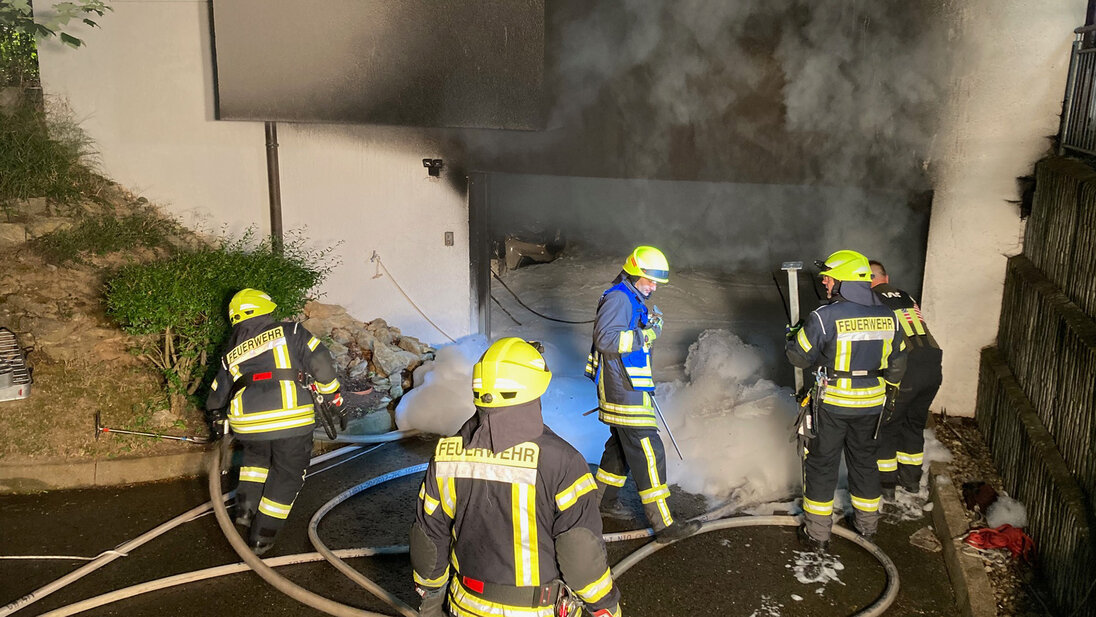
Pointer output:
x,y
179,305
106,233
44,155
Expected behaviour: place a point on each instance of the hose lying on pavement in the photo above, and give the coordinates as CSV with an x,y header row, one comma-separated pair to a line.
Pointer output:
x,y
876,608
277,581
264,568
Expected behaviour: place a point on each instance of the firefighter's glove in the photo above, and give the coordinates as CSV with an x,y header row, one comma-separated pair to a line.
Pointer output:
x,y
433,602
655,323
218,424
889,404
339,405
218,428
790,332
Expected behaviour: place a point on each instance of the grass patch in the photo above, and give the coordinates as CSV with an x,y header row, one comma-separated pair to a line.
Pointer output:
x,y
45,155
106,233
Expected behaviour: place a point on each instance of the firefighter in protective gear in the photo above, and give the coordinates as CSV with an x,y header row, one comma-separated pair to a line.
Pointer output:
x,y
856,343
902,438
269,409
620,365
507,513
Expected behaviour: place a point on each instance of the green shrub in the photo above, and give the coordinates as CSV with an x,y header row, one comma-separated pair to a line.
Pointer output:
x,y
106,233
179,305
43,156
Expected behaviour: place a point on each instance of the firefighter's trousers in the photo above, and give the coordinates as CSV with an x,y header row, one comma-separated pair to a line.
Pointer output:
x,y
641,450
855,436
271,475
902,440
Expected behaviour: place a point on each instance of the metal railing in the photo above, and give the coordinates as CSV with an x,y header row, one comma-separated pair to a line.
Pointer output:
x,y
1078,130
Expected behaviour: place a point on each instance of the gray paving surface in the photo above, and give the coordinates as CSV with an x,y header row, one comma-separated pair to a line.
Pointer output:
x,y
733,572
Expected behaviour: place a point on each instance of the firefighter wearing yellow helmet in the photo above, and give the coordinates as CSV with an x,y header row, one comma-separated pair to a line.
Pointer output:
x,y
507,520
854,347
620,364
269,409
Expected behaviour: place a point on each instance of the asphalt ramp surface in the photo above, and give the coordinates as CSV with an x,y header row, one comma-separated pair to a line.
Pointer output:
x,y
745,571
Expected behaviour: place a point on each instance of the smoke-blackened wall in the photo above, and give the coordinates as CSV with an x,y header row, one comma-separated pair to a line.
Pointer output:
x,y
834,92
720,226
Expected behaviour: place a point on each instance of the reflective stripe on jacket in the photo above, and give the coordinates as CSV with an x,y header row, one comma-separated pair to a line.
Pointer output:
x,y
493,522
845,338
620,358
267,404
909,315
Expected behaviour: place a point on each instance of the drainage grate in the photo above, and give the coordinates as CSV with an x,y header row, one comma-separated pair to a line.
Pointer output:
x,y
15,377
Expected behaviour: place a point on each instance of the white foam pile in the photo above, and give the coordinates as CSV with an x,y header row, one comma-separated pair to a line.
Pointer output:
x,y
1006,511
732,427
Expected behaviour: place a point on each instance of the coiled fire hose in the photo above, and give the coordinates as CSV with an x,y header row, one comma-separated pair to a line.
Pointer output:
x,y
264,568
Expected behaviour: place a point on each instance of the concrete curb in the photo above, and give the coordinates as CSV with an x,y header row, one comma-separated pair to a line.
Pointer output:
x,y
32,478
973,591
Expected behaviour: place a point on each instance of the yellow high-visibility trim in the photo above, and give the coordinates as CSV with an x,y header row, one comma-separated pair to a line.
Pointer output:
x,y
887,464
819,508
844,355
884,361
653,494
865,505
432,582
329,387
213,386
804,343
463,603
569,496
597,589
253,474
652,461
627,339
281,355
313,343
911,459
274,509
610,478
526,554
448,493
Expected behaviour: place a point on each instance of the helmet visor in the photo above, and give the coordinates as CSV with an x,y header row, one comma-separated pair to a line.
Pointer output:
x,y
655,275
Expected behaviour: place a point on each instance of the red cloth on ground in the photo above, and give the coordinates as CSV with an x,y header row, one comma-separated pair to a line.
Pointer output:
x,y
1006,536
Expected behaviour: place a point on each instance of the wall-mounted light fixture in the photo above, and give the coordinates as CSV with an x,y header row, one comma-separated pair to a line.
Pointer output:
x,y
433,166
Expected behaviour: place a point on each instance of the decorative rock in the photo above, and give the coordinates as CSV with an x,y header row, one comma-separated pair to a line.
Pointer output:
x,y
41,227
341,336
391,361
12,234
414,345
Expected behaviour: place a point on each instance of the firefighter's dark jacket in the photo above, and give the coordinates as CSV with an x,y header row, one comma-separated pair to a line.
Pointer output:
x,y
620,357
909,316
268,403
860,344
505,509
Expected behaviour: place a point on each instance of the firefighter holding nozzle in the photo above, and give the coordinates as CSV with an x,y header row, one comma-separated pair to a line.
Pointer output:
x,y
507,521
855,349
261,392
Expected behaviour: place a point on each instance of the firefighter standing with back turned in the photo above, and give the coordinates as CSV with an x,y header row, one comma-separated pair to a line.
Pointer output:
x,y
902,440
269,409
856,348
620,365
509,506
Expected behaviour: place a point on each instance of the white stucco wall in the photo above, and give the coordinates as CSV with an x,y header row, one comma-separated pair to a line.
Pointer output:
x,y
1005,97
142,89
